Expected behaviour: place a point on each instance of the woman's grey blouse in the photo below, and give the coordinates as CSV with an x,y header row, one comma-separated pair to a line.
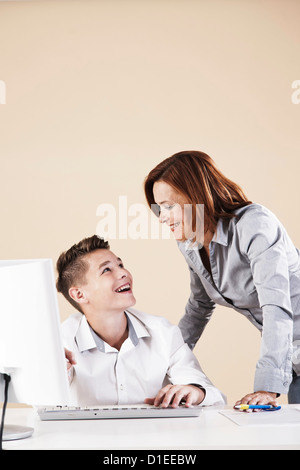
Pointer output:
x,y
256,271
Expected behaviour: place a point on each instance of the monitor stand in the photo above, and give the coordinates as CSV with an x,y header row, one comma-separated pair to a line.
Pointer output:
x,y
12,432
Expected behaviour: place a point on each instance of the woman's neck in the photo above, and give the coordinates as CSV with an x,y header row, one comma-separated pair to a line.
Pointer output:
x,y
208,236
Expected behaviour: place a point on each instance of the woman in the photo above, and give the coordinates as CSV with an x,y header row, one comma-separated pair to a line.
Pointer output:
x,y
239,255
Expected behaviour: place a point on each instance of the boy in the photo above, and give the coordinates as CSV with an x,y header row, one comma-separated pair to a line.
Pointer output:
x,y
121,355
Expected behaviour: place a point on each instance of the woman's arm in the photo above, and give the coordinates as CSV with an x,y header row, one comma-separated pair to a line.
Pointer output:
x,y
198,311
263,241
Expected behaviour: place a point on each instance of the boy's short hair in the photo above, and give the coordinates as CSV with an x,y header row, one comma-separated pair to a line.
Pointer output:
x,y
72,267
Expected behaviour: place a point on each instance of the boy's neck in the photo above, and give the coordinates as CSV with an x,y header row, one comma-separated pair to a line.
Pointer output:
x,y
112,328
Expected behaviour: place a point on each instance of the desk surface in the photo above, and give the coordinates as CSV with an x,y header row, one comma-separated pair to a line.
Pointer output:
x,y
211,430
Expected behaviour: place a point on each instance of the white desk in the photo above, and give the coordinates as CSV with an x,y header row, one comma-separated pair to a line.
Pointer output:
x,y
211,430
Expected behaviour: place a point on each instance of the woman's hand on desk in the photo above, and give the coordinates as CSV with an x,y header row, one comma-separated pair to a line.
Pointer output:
x,y
171,395
258,398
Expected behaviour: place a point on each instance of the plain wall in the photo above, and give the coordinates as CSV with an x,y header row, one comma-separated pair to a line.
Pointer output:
x,y
99,92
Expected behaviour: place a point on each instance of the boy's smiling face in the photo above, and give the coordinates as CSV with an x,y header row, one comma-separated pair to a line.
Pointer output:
x,y
107,285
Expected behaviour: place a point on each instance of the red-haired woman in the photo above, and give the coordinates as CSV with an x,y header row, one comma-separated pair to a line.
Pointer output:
x,y
239,255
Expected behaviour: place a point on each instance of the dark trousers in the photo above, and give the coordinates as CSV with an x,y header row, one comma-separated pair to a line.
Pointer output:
x,y
294,390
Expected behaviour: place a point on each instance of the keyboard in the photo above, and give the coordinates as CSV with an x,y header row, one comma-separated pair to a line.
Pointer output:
x,y
115,412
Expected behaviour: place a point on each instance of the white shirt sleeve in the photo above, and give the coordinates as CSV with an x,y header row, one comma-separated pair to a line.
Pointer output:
x,y
184,369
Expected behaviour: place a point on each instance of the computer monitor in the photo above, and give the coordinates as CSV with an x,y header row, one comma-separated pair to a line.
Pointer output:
x,y
31,348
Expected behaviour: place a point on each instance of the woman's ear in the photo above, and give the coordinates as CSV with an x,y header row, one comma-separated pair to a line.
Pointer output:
x,y
77,294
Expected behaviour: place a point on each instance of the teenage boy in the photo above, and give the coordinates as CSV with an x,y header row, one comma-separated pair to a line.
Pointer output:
x,y
121,355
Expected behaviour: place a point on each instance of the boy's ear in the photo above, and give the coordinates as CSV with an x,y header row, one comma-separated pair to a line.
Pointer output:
x,y
77,294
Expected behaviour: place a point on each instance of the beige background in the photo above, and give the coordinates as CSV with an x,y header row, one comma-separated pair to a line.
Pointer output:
x,y
98,92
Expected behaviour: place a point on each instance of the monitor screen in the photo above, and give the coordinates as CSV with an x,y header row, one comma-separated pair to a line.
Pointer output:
x,y
31,348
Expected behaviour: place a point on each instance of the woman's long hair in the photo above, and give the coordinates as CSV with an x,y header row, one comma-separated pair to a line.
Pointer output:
x,y
195,176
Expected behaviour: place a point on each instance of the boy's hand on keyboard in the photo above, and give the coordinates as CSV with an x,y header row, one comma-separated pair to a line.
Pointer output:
x,y
172,395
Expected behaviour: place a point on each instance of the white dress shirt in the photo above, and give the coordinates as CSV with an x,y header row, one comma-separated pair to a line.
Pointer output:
x,y
153,355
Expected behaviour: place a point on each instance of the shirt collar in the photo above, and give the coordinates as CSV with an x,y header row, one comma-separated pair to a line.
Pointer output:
x,y
220,236
86,338
221,233
83,337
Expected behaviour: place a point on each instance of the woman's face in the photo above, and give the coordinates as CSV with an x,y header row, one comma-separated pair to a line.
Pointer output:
x,y
171,205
